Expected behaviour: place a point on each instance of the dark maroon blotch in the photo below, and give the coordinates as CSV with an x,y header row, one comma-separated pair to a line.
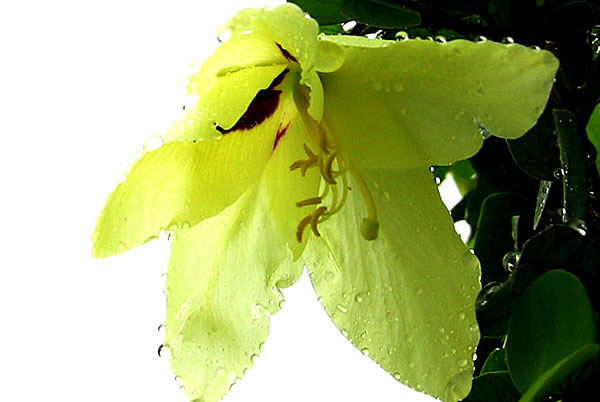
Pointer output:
x,y
287,54
260,109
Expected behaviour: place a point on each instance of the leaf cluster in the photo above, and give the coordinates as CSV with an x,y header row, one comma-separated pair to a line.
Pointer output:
x,y
532,203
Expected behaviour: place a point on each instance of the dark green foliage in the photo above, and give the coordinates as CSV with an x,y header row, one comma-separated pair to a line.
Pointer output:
x,y
532,203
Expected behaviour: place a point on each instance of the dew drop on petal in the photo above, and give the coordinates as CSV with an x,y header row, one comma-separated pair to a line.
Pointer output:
x,y
342,308
402,35
365,351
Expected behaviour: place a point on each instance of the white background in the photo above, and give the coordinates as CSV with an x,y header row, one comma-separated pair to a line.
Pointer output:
x,y
82,84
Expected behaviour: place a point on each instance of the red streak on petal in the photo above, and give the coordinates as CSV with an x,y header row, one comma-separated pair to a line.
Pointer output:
x,y
280,133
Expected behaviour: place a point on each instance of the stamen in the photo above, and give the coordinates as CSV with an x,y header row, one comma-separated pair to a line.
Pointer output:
x,y
369,228
315,220
309,201
300,229
326,168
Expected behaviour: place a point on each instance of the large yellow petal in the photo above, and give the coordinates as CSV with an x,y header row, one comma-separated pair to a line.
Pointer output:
x,y
222,284
419,103
180,184
225,85
284,187
406,299
296,35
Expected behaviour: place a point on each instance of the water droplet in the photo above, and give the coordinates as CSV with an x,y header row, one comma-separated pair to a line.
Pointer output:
x,y
459,386
487,293
397,376
593,40
344,332
153,142
220,371
462,362
507,40
559,173
441,39
411,364
398,86
365,351
348,26
402,35
535,47
342,308
510,260
562,211
542,198
485,133
253,358
360,297
462,316
480,38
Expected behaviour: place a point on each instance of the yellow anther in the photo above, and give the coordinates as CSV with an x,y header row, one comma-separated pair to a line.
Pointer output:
x,y
369,228
309,201
300,229
315,220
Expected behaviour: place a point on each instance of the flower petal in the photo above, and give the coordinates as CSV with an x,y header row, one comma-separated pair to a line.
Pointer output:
x,y
406,299
296,34
284,187
427,101
225,85
221,287
180,184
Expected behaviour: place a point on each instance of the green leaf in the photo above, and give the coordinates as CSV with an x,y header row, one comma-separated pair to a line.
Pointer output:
x,y
552,319
495,362
536,153
493,387
494,238
593,133
326,12
573,160
380,14
554,248
560,371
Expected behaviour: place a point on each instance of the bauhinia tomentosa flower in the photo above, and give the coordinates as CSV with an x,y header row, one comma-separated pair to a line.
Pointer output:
x,y
299,150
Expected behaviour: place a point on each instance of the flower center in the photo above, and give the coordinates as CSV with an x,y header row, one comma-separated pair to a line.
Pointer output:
x,y
333,168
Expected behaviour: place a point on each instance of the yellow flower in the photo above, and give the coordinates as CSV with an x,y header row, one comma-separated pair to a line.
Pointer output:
x,y
304,150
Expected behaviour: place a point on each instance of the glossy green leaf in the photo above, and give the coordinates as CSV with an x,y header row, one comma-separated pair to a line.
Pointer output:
x,y
537,151
409,305
552,319
326,12
562,370
556,247
495,362
379,13
494,238
493,387
593,133
574,164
